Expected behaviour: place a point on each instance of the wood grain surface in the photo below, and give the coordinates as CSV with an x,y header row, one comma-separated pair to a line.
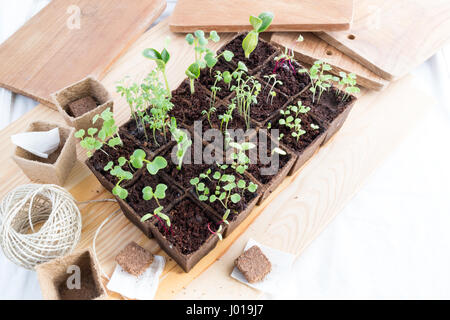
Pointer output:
x,y
49,52
392,37
289,220
233,15
313,48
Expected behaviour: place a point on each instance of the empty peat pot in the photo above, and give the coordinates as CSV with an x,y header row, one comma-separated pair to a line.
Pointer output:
x,y
72,277
56,168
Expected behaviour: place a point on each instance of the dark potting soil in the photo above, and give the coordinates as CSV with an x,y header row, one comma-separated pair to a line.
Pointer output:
x,y
146,137
293,81
81,106
88,287
264,171
266,106
188,108
135,196
207,78
305,140
100,159
330,105
257,57
236,208
189,226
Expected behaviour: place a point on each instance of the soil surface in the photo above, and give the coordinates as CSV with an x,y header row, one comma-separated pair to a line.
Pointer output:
x,y
141,206
293,81
81,106
188,108
330,105
267,106
100,159
257,57
305,140
146,137
189,229
207,78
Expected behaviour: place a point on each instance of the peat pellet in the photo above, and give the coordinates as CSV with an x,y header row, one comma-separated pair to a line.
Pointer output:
x,y
253,264
134,259
81,106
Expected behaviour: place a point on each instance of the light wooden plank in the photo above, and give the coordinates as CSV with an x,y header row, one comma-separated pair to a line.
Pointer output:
x,y
310,200
313,48
392,37
49,52
233,15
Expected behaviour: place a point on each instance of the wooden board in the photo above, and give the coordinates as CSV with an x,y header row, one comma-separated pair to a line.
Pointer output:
x,y
392,37
233,15
293,218
313,48
49,52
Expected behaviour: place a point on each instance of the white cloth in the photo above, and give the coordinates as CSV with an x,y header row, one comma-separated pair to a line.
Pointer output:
x,y
391,241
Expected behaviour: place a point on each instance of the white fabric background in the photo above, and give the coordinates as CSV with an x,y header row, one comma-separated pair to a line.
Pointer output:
x,y
391,241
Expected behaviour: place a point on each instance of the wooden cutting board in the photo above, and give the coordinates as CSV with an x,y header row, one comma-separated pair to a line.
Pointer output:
x,y
233,15
289,220
50,52
313,48
392,37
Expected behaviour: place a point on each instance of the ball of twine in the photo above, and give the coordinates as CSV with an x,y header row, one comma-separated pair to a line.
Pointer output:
x,y
38,223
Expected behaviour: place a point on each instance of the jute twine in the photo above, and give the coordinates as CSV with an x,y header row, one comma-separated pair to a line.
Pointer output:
x,y
29,207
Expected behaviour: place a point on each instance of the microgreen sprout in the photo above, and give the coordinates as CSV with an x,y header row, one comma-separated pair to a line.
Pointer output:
x,y
239,156
138,159
95,139
247,92
226,117
292,120
286,57
204,57
272,93
320,81
158,194
183,141
121,175
161,59
348,83
259,24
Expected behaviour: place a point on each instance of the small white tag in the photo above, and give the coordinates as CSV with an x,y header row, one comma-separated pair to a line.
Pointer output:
x,y
41,144
143,287
281,265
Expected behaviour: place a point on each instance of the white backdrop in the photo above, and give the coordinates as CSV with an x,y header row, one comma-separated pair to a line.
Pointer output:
x,y
391,241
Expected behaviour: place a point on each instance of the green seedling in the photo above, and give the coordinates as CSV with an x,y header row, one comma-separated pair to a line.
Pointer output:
x,y
239,156
162,59
259,24
183,142
204,57
348,83
247,92
138,159
291,119
320,81
226,118
287,57
95,139
158,194
272,81
121,175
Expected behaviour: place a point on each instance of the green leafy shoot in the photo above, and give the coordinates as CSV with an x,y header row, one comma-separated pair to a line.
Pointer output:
x,y
94,139
183,142
291,119
259,24
239,156
204,57
247,89
272,81
138,160
121,175
348,83
162,59
320,81
158,194
226,118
